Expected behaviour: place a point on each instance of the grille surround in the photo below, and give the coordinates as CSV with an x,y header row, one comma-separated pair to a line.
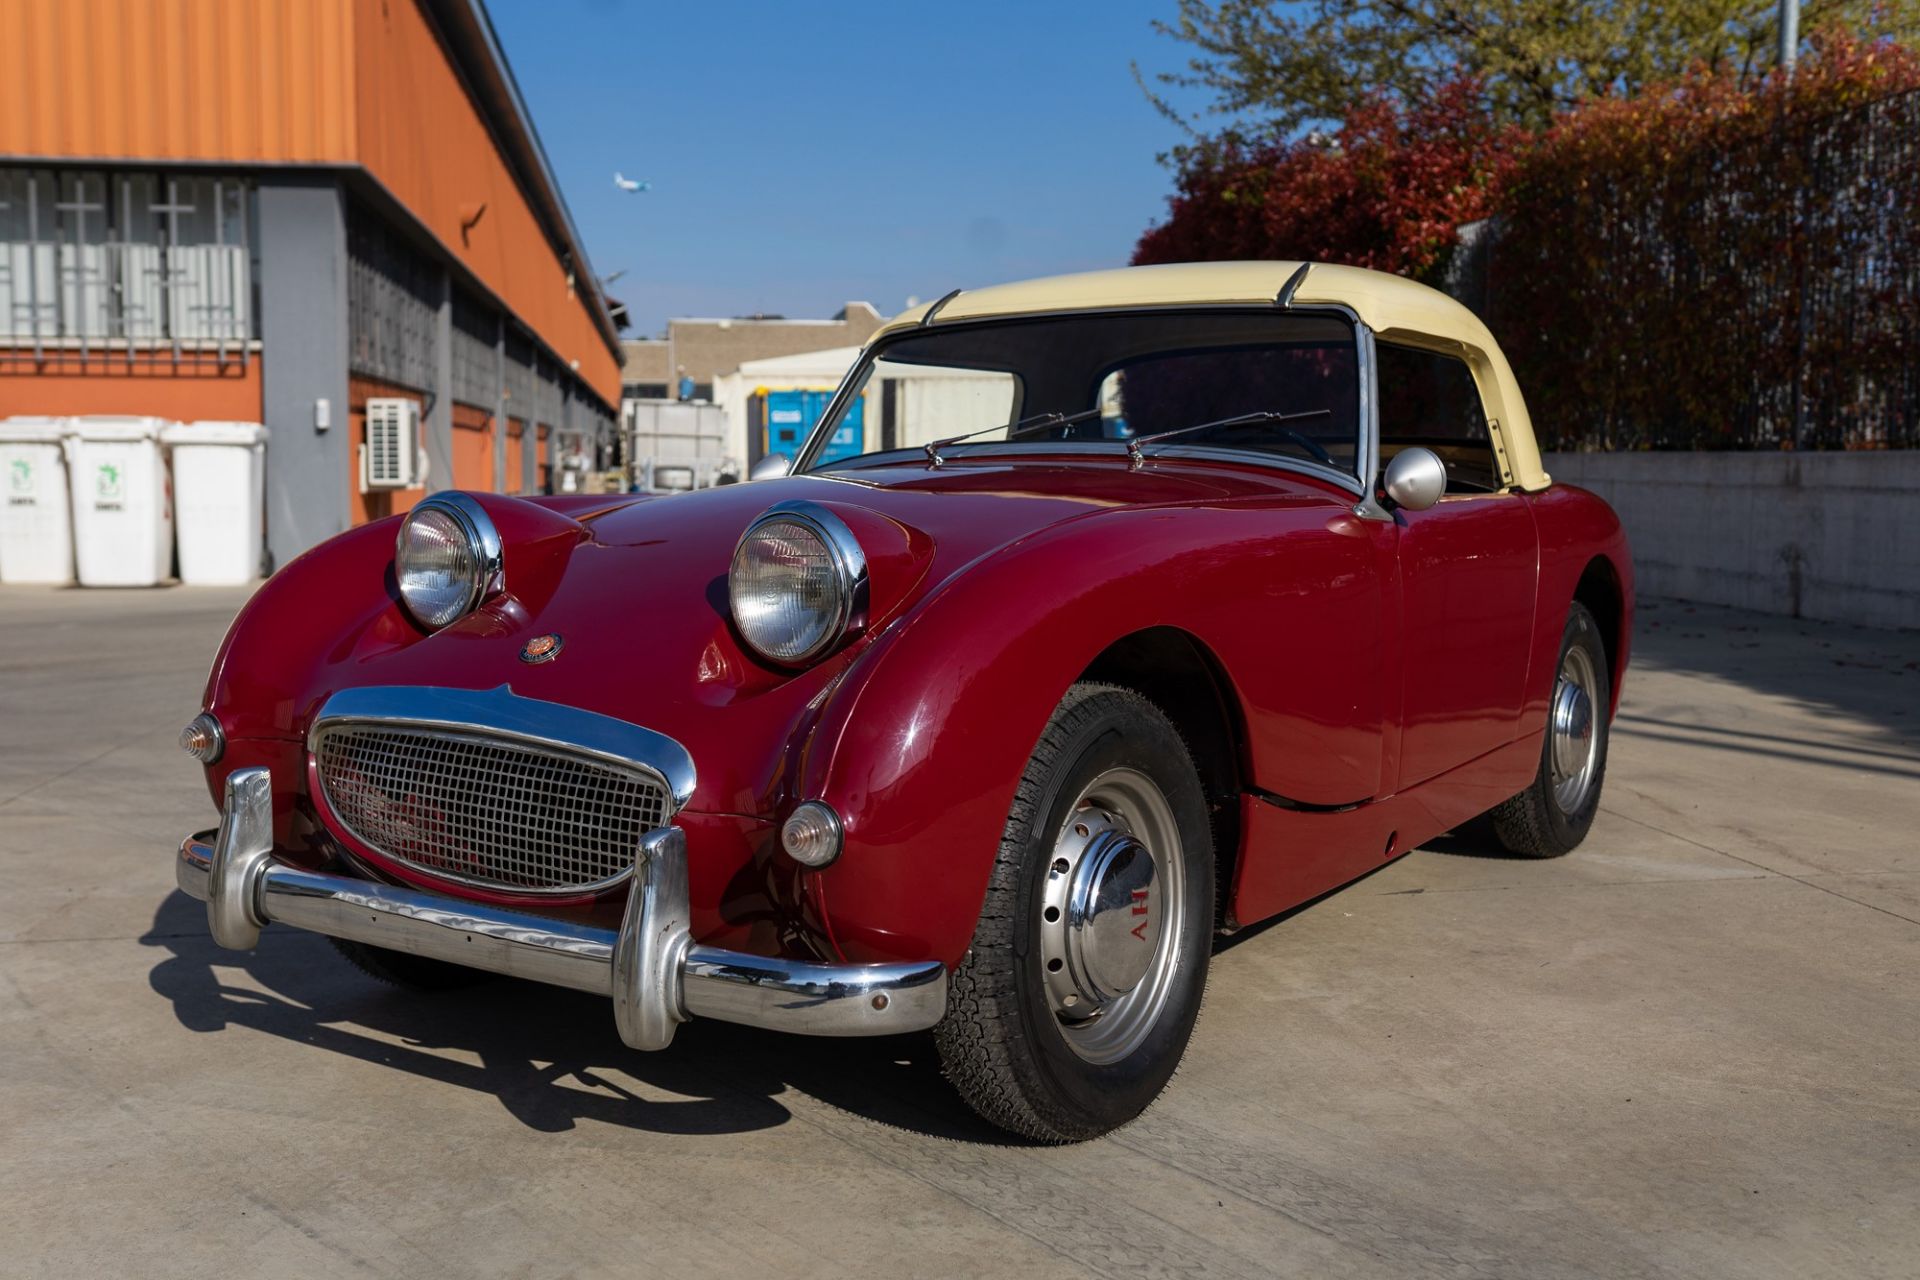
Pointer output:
x,y
492,810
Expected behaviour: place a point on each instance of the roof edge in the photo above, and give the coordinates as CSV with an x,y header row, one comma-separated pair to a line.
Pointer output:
x,y
467,31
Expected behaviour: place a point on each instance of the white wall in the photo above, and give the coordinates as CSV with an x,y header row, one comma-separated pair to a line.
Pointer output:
x,y
1834,536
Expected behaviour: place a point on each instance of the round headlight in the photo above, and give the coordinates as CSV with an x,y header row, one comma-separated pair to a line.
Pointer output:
x,y
446,559
798,584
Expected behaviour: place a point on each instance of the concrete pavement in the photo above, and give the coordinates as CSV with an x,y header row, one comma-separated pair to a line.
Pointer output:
x,y
1690,1049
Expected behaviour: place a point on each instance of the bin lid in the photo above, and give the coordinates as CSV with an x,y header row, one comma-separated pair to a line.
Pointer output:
x,y
28,429
113,427
178,433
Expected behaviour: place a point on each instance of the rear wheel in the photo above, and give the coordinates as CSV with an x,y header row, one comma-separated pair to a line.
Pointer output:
x,y
1077,998
1552,816
404,970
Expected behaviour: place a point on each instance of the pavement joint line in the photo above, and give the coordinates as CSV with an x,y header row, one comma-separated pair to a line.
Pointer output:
x,y
1709,744
73,769
951,1193
1911,756
1785,875
1591,884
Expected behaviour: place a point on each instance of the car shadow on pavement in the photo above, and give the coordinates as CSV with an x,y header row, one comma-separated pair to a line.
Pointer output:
x,y
551,1056
1834,672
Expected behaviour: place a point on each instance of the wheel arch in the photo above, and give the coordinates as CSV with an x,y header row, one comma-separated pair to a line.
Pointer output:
x,y
1601,591
1176,671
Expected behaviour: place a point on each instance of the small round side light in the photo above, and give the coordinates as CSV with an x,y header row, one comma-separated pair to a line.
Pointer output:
x,y
812,835
203,739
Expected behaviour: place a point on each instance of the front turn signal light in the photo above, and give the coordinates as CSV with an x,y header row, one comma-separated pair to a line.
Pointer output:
x,y
203,739
812,835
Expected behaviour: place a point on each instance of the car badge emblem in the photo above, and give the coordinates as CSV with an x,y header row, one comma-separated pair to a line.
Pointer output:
x,y
542,648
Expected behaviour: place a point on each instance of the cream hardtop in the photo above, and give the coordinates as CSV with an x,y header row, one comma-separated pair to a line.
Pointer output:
x,y
1395,308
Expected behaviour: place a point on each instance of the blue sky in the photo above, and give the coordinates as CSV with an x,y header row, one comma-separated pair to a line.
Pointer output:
x,y
804,155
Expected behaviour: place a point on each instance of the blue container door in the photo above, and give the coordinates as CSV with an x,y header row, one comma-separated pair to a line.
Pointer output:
x,y
791,416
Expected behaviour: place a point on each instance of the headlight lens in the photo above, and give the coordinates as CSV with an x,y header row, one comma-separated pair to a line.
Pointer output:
x,y
798,583
446,559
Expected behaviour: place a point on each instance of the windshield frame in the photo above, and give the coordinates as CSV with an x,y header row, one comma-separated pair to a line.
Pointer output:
x,y
1360,482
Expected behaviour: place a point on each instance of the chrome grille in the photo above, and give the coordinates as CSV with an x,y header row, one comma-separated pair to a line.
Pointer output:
x,y
486,810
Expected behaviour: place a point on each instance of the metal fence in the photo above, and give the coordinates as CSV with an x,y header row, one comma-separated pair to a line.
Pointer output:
x,y
1758,296
103,264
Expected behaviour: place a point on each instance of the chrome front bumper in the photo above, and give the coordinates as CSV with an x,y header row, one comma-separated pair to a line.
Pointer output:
x,y
656,975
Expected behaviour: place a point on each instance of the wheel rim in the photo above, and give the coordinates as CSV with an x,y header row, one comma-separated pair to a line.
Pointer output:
x,y
1574,732
1112,915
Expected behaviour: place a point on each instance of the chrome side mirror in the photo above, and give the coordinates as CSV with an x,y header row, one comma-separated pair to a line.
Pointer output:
x,y
771,467
1415,479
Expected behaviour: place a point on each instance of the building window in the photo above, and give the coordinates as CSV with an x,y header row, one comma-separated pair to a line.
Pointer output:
x,y
393,305
91,257
476,357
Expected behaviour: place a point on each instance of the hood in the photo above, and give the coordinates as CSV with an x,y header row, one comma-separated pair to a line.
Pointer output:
x,y
637,590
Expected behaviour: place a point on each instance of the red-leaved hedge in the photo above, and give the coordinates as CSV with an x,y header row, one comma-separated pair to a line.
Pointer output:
x,y
1706,265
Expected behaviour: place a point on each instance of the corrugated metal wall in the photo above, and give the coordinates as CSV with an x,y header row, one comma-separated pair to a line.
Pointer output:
x,y
333,82
228,80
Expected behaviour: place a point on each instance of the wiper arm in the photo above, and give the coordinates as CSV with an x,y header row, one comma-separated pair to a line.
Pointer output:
x,y
1037,422
1136,446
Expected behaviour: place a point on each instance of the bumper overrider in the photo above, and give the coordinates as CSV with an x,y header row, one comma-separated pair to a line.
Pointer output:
x,y
656,975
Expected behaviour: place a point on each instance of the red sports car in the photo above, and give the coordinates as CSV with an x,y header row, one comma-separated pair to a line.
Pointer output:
x,y
1132,608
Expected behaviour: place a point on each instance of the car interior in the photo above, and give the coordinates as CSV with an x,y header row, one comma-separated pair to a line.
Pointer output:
x,y
1431,400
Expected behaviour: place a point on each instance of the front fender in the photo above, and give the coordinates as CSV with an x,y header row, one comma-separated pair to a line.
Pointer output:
x,y
921,747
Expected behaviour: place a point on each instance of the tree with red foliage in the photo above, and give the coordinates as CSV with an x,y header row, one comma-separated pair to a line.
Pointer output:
x,y
1387,190
1710,263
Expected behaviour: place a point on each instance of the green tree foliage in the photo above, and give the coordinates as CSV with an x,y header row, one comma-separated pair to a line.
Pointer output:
x,y
1274,67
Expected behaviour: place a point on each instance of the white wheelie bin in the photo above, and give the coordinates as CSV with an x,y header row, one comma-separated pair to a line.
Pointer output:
x,y
36,520
122,501
219,480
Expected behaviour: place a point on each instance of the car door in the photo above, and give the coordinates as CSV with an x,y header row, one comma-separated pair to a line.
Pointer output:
x,y
1468,570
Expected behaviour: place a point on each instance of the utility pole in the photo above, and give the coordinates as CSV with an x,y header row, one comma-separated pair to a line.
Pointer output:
x,y
1789,33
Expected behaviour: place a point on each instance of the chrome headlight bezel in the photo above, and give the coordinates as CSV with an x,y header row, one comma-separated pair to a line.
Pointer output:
x,y
473,523
848,561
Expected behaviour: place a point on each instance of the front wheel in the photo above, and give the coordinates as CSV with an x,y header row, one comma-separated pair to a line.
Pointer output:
x,y
1554,813
1076,1000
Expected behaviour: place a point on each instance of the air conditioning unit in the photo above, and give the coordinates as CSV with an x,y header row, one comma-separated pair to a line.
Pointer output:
x,y
390,459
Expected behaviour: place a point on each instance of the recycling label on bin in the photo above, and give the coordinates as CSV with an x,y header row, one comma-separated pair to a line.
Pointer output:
x,y
20,486
109,487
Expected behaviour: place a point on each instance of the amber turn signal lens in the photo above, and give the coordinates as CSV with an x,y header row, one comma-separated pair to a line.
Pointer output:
x,y
203,739
812,835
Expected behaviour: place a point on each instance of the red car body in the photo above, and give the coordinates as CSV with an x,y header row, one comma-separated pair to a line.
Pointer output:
x,y
1371,683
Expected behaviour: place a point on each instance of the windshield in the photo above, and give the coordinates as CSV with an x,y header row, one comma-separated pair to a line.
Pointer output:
x,y
1270,383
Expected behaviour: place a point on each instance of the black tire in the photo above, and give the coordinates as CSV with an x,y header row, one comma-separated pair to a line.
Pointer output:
x,y
1533,824
397,968
1002,1044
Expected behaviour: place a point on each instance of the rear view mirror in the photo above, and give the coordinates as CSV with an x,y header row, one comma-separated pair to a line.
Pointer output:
x,y
1415,479
771,467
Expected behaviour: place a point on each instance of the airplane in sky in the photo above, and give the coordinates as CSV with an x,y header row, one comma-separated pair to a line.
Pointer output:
x,y
630,184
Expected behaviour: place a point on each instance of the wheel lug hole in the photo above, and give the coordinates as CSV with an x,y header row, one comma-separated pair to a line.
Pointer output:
x,y
1059,866
1080,829
1050,915
1055,965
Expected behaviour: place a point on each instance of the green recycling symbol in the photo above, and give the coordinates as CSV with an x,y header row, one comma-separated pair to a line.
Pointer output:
x,y
20,475
107,484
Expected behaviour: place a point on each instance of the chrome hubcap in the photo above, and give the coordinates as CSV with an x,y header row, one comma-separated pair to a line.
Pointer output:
x,y
1574,739
1110,915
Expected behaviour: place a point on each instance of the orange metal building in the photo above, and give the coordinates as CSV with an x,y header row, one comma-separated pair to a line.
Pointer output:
x,y
277,212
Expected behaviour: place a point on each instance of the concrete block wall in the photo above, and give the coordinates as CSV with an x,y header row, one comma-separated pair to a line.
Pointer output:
x,y
1832,536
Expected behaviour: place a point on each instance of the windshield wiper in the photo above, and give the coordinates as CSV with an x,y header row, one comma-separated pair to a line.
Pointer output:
x,y
1037,422
1136,456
